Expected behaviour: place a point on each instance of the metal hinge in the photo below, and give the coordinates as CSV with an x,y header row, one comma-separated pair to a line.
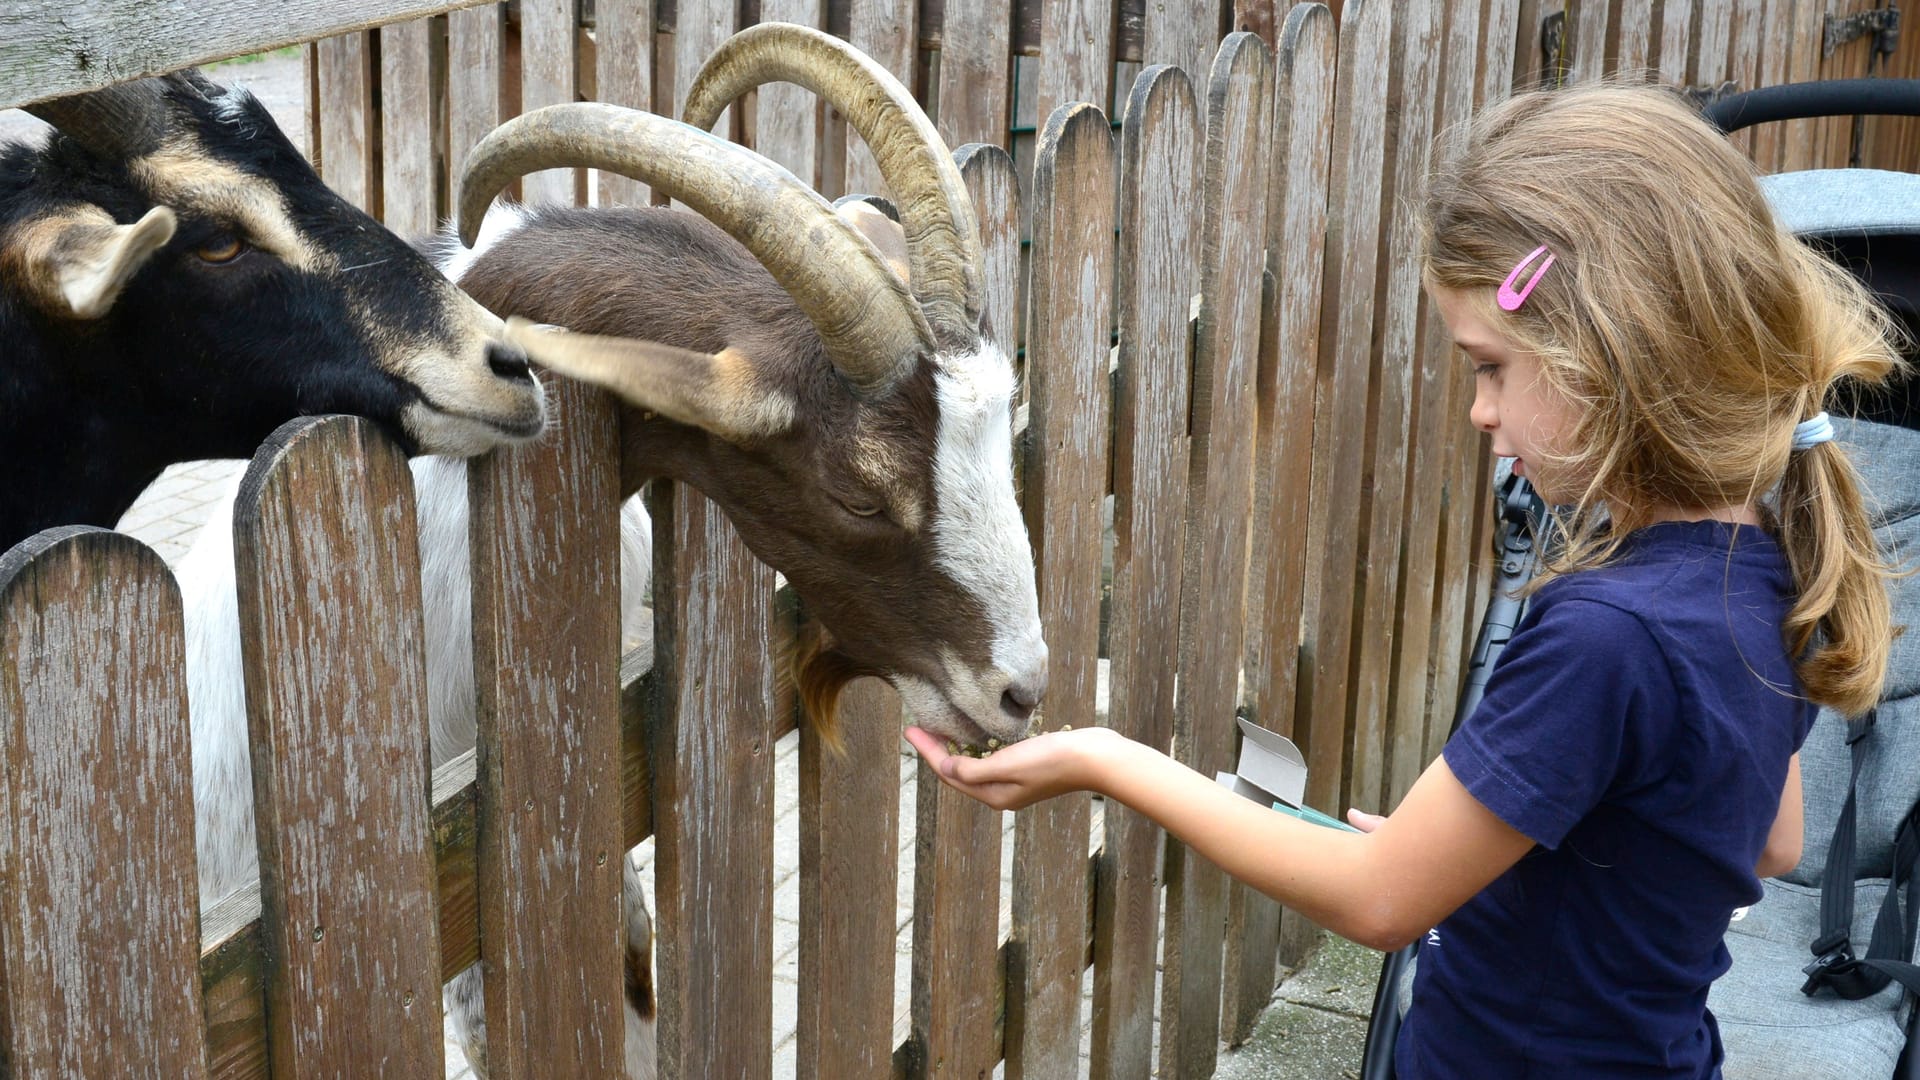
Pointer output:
x,y
1883,24
1553,50
1703,96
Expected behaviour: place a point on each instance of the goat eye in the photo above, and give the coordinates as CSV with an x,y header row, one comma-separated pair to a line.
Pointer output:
x,y
222,249
858,509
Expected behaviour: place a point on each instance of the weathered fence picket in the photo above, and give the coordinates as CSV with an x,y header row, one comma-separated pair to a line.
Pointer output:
x,y
1070,314
1439,439
1667,36
1239,122
1394,404
97,953
973,99
477,97
884,30
334,653
1076,55
1290,349
411,85
344,119
713,770
789,131
546,641
1159,264
1339,448
1631,36
849,847
623,75
957,973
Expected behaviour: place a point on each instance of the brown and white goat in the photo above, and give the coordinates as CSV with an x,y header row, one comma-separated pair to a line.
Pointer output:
x,y
854,427
175,282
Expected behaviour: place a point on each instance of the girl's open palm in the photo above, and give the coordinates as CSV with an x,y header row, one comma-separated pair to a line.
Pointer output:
x,y
1019,775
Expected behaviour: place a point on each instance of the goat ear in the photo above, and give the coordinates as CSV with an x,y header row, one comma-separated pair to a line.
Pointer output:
x,y
77,260
882,231
717,392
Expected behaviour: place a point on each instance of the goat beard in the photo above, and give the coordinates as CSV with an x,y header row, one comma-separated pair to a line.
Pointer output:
x,y
819,673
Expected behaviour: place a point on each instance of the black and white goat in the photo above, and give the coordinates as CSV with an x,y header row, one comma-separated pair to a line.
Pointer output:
x,y
175,282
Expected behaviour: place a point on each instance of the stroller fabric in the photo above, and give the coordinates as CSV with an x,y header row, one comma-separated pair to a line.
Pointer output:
x,y
1769,1027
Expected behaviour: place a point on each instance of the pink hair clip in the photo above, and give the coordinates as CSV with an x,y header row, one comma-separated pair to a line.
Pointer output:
x,y
1510,300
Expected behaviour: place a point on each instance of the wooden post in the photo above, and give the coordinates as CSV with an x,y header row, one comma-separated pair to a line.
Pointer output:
x,y
623,57
549,65
328,572
348,156
1219,503
1065,478
98,922
1159,262
974,93
546,653
408,78
1289,350
1339,449
956,988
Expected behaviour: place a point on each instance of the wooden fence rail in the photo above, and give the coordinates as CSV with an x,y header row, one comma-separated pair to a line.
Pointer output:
x,y
1227,357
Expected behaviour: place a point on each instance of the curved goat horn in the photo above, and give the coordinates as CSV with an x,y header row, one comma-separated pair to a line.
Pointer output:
x,y
866,318
943,239
117,122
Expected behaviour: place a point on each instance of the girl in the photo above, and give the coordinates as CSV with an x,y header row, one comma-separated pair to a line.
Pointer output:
x,y
1653,351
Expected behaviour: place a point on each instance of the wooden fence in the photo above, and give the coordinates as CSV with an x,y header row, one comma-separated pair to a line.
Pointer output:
x,y
1296,503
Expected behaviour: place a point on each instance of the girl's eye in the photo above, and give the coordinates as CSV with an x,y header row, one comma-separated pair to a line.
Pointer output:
x,y
1485,369
222,249
860,509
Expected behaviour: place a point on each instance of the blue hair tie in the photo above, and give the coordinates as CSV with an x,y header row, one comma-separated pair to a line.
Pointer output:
x,y
1810,433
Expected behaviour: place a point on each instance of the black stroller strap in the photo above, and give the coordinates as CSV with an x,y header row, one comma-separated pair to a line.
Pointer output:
x,y
1835,967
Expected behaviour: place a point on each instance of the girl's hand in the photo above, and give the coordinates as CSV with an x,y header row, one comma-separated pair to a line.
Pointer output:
x,y
1364,821
1017,776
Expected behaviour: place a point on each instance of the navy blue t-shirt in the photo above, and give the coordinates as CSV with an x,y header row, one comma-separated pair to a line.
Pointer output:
x,y
1638,730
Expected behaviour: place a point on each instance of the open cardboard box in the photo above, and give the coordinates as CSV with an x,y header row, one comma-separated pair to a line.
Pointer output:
x,y
1273,771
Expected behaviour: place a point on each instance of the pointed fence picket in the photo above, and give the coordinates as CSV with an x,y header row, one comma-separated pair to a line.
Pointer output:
x,y
1159,267
335,660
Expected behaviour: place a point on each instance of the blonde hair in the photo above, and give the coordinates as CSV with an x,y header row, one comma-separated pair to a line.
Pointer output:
x,y
1688,331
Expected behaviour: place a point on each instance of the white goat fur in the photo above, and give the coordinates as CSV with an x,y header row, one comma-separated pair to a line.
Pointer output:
x,y
222,761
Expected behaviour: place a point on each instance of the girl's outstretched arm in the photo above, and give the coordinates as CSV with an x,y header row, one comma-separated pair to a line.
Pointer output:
x,y
1381,888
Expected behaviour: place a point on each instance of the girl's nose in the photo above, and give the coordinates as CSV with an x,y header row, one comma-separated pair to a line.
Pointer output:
x,y
1483,414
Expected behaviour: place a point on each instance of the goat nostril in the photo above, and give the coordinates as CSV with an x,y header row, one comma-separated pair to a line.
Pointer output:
x,y
1019,700
508,361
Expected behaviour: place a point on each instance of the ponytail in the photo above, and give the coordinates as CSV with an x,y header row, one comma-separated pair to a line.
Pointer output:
x,y
1840,629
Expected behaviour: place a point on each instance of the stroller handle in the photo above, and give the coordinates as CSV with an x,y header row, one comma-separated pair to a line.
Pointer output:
x,y
1801,101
